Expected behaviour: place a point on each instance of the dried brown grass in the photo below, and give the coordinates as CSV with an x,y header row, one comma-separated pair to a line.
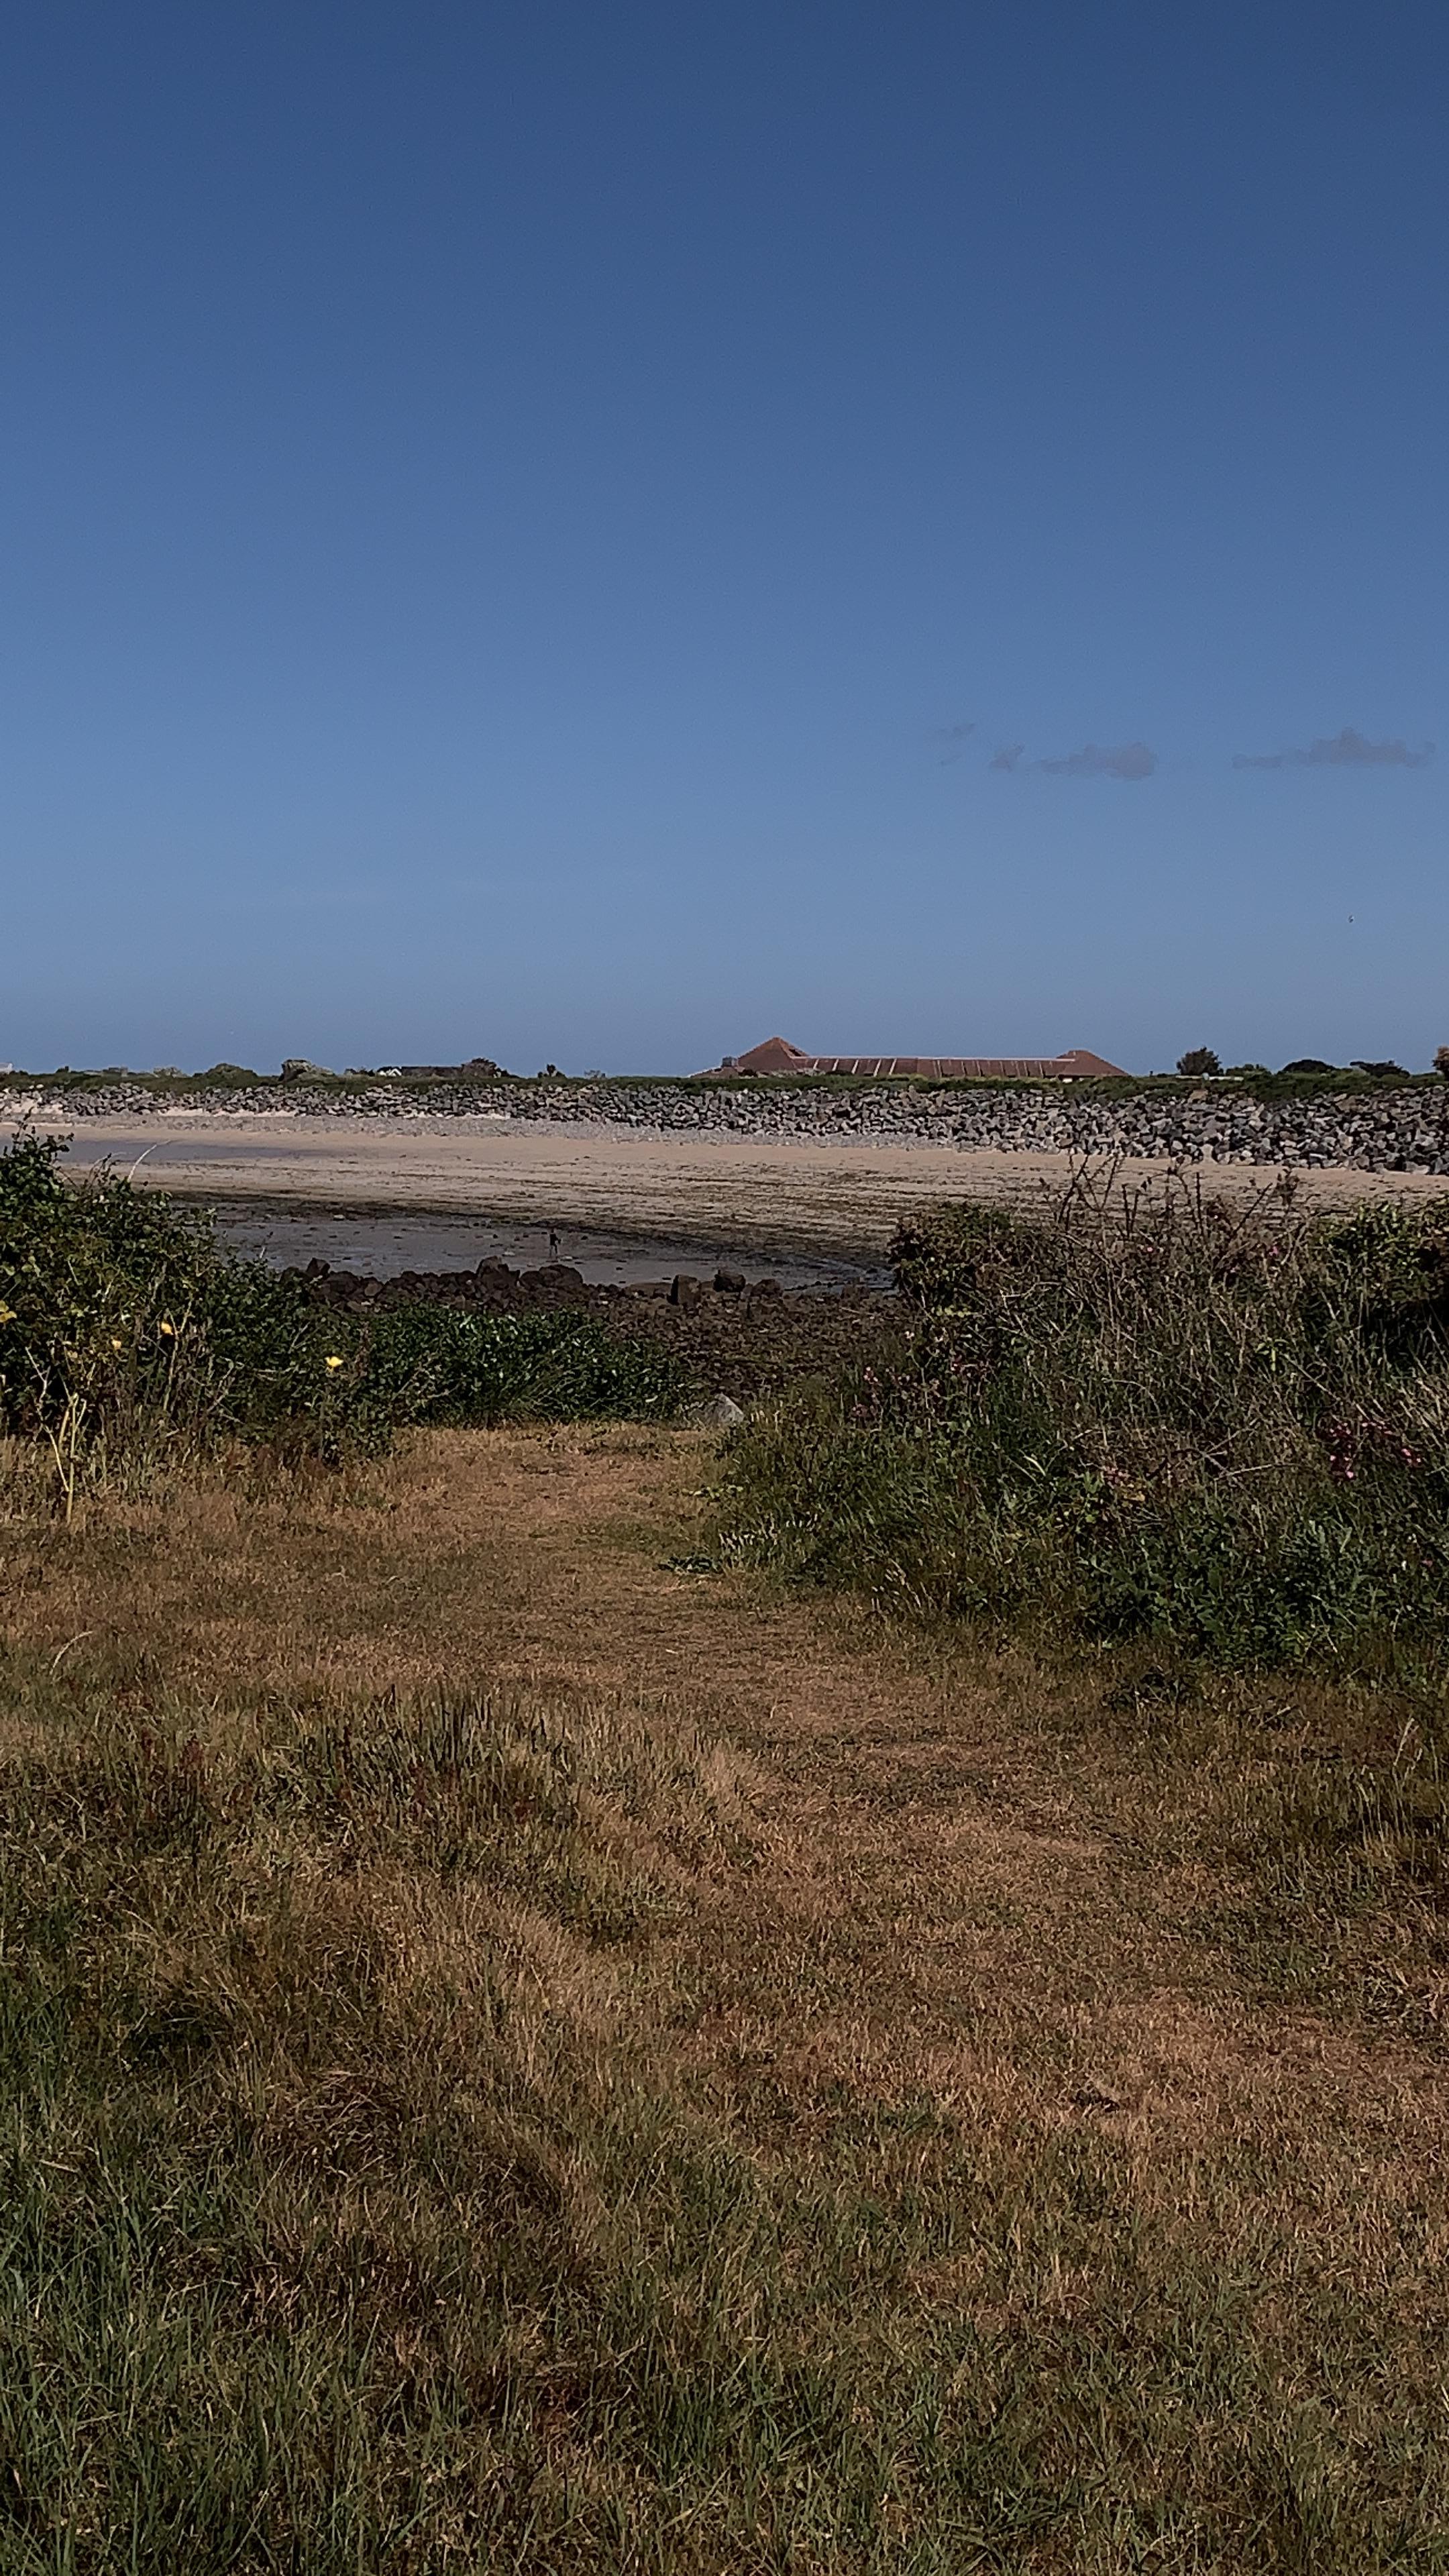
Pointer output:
x,y
980,1837
1120,2018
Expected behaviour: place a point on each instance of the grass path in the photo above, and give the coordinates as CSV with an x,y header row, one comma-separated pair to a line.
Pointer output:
x,y
966,1861
1084,2055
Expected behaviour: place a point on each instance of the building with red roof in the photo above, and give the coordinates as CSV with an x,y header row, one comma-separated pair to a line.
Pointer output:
x,y
1078,1064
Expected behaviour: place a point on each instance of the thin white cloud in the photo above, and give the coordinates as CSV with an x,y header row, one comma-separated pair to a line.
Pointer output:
x,y
1346,750
1099,760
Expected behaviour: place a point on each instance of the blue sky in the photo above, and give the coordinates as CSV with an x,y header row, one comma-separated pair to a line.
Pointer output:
x,y
507,511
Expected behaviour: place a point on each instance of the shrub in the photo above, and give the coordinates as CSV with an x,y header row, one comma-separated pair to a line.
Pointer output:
x,y
1141,1417
1199,1061
102,1299
437,1364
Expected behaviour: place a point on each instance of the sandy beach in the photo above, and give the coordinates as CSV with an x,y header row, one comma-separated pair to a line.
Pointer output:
x,y
830,1198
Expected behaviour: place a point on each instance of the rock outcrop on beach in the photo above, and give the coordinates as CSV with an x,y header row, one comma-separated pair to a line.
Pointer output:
x,y
740,1338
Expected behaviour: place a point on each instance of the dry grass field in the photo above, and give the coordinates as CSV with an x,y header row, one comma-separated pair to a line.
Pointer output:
x,y
526,2050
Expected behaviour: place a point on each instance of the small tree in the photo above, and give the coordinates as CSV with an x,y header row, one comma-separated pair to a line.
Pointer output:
x,y
1441,1061
1199,1060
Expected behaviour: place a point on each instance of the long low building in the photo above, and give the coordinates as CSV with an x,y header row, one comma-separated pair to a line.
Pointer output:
x,y
777,1055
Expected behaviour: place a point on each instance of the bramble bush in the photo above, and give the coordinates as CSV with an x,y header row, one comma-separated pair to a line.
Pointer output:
x,y
1139,1416
128,1335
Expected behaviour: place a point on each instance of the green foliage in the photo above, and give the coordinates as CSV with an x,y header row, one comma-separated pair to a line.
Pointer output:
x,y
126,1332
1148,1419
1199,1060
103,1299
442,1365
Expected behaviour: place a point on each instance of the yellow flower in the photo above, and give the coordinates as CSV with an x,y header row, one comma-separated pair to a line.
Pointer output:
x,y
334,1360
168,1329
7,1313
115,1341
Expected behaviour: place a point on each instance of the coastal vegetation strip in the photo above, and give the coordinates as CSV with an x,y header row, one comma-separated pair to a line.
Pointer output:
x,y
487,1086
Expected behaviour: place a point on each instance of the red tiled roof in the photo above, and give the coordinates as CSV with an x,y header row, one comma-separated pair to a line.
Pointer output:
x,y
1078,1064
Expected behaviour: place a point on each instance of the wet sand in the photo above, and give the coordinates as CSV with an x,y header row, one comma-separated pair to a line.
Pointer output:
x,y
379,1243
749,1193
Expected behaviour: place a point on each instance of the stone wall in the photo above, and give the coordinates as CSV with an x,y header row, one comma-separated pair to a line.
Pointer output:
x,y
1367,1130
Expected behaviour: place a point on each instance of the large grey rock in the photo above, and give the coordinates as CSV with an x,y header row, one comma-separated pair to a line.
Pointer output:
x,y
718,1413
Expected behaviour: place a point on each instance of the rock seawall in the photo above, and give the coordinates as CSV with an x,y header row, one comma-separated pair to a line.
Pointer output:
x,y
1403,1130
